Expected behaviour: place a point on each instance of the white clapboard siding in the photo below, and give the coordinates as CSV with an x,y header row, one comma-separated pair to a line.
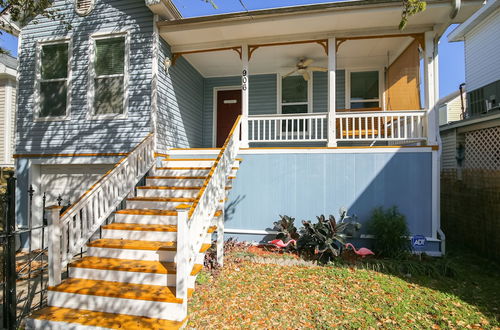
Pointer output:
x,y
481,53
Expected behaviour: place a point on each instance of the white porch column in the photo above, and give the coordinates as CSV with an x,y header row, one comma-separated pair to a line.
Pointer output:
x,y
430,88
332,127
244,96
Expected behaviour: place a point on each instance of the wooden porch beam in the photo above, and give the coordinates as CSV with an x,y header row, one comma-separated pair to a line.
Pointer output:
x,y
322,42
175,56
417,36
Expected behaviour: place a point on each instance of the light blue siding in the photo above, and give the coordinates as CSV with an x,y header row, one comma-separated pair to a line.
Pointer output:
x,y
180,104
306,185
79,134
320,91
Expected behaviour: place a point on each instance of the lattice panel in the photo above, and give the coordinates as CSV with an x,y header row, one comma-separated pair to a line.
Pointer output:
x,y
482,149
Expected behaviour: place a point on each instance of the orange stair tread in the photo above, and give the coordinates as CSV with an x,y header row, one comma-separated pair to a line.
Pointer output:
x,y
196,159
162,199
169,187
140,227
105,320
189,168
146,212
125,265
122,290
178,177
138,245
130,265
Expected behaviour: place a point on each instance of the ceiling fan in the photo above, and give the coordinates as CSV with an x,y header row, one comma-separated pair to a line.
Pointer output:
x,y
303,67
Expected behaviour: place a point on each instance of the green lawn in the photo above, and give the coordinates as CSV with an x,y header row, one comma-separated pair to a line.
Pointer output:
x,y
254,295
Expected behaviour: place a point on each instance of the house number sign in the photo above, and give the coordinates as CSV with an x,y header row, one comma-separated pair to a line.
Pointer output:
x,y
244,80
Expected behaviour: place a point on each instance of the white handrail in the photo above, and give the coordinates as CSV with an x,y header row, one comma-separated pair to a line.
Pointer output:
x,y
82,219
203,210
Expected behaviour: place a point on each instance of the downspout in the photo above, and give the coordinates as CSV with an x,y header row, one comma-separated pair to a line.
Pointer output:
x,y
462,106
456,4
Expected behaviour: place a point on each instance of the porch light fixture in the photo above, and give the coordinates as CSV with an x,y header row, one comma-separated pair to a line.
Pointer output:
x,y
167,64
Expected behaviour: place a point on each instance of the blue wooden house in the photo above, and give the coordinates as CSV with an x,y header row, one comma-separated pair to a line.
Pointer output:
x,y
177,128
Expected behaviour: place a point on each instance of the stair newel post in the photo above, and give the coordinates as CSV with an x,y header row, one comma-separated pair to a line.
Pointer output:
x,y
183,253
54,244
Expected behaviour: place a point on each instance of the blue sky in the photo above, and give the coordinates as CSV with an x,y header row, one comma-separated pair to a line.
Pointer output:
x,y
451,55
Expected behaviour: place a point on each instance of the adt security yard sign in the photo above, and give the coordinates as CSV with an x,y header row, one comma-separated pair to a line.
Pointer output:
x,y
418,242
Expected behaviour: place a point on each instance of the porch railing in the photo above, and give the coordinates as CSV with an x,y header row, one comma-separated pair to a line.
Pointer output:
x,y
381,125
288,128
349,126
69,231
193,222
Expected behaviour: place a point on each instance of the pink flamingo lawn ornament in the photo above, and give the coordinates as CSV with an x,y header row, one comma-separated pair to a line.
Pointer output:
x,y
363,252
281,244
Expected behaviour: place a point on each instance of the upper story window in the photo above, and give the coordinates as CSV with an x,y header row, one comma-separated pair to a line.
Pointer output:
x,y
84,7
364,89
109,76
53,90
295,95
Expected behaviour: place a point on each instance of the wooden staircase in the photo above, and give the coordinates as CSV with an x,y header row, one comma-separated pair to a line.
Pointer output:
x,y
128,277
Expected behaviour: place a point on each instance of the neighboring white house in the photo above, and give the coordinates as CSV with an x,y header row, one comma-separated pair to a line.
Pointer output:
x,y
474,142
8,72
480,34
450,108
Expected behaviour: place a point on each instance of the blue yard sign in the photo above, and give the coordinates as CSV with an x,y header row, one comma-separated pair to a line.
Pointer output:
x,y
418,242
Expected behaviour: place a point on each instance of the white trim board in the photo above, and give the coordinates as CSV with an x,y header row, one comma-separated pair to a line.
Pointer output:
x,y
368,150
214,107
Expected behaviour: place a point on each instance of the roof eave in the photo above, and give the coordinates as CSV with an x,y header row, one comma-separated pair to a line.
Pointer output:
x,y
479,16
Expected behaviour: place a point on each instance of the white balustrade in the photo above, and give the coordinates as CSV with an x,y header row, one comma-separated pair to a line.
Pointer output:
x,y
71,230
350,126
381,125
203,210
288,128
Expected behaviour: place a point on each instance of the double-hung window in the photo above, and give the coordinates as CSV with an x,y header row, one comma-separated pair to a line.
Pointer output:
x,y
108,76
364,89
53,90
295,98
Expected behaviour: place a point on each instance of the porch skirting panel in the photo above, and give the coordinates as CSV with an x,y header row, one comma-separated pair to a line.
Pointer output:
x,y
305,185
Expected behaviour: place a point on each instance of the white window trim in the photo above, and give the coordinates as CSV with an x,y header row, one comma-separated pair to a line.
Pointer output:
x,y
381,87
279,95
92,75
38,78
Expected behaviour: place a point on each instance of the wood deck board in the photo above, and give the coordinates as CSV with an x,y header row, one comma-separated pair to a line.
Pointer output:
x,y
162,199
125,265
105,320
122,290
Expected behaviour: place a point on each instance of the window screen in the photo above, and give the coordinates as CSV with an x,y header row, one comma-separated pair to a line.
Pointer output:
x,y
54,80
109,68
294,97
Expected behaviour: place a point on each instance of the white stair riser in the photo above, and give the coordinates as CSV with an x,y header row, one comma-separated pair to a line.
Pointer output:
x,y
160,236
187,193
127,277
132,254
170,172
33,324
154,205
175,182
155,309
146,219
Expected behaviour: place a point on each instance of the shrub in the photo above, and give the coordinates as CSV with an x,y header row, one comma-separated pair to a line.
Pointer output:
x,y
322,240
391,232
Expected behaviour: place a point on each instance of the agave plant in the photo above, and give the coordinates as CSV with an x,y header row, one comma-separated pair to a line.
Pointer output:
x,y
322,240
286,229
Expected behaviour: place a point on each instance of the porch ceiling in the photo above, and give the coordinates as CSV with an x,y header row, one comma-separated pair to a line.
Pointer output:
x,y
363,53
338,19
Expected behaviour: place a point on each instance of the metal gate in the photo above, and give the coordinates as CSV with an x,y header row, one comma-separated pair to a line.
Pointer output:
x,y
23,271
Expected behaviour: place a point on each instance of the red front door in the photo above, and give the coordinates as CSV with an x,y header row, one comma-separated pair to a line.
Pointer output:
x,y
228,109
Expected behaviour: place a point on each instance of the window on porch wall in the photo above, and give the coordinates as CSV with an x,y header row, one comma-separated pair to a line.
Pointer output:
x,y
294,100
364,90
